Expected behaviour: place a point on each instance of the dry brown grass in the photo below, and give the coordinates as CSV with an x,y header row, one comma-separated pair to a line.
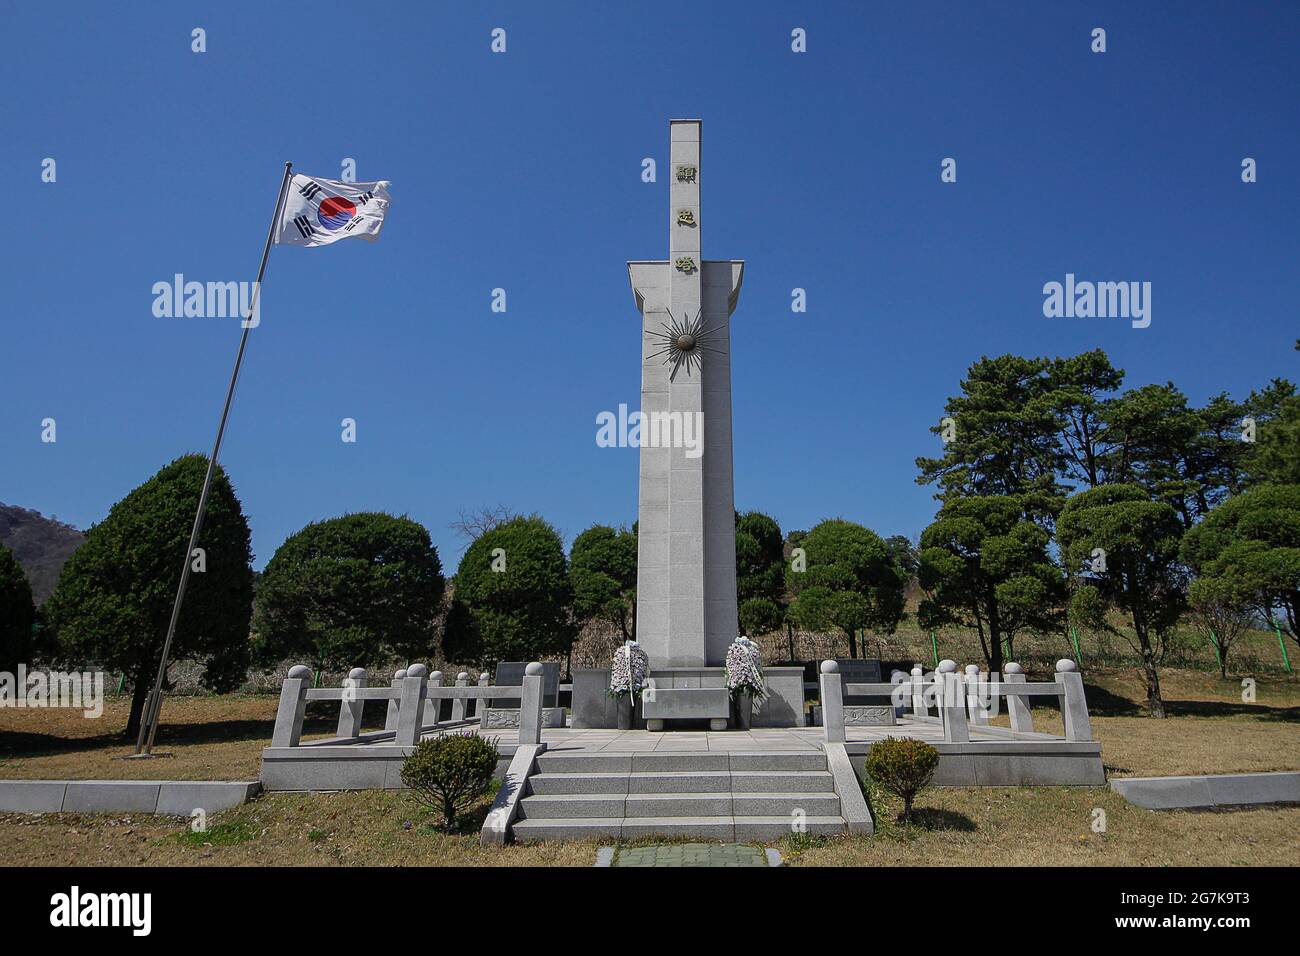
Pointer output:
x,y
210,738
202,738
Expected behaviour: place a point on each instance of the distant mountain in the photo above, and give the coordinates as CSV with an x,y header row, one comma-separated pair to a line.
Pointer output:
x,y
41,545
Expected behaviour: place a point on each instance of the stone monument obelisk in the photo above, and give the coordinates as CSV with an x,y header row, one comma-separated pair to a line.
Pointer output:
x,y
686,557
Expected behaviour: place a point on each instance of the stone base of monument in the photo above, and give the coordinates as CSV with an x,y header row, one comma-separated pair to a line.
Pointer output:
x,y
686,703
507,718
782,707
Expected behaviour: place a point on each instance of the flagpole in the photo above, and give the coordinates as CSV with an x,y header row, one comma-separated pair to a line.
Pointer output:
x,y
153,704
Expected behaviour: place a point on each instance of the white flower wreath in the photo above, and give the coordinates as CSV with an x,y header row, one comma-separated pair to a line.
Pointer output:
x,y
743,670
630,669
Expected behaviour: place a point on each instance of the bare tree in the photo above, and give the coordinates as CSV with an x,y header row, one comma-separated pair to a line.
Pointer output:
x,y
472,524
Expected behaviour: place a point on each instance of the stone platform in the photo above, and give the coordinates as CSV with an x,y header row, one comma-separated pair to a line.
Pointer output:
x,y
992,758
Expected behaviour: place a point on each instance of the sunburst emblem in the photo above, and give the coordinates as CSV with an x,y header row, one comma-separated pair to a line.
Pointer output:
x,y
684,343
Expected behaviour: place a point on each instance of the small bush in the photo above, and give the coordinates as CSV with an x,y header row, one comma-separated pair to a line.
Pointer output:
x,y
450,772
903,767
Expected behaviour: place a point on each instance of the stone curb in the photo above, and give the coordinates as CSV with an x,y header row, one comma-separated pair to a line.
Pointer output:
x,y
853,805
505,807
1218,790
172,797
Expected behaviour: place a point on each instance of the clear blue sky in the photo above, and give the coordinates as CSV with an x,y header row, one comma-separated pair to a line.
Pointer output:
x,y
522,171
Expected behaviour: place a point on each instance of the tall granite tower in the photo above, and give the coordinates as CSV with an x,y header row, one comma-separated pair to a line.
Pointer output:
x,y
686,568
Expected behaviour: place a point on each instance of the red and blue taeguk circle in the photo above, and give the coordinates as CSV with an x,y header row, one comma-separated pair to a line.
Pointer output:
x,y
335,212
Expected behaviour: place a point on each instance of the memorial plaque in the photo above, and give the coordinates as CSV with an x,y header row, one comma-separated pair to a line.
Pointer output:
x,y
511,674
855,670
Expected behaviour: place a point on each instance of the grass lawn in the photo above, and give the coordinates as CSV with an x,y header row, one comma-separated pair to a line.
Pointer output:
x,y
1210,731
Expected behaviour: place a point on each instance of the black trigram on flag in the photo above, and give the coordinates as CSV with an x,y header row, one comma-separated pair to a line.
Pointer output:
x,y
309,190
304,224
352,222
365,198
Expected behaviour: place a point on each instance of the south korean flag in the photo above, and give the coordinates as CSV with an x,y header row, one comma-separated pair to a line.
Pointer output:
x,y
320,211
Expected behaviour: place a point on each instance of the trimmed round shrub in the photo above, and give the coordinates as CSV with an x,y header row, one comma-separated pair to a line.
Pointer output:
x,y
513,598
350,592
903,767
450,772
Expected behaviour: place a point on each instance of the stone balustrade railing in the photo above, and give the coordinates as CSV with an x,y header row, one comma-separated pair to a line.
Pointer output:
x,y
963,699
407,695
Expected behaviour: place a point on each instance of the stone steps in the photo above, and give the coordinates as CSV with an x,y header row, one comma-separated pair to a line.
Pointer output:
x,y
730,829
660,761
708,795
558,783
751,781
689,804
